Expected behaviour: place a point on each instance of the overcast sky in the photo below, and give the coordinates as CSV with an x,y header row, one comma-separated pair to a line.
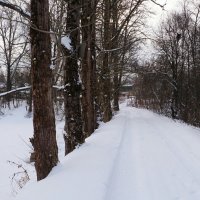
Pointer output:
x,y
159,13
154,20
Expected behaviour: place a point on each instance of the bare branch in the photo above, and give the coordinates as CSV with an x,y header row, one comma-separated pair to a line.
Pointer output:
x,y
15,8
158,4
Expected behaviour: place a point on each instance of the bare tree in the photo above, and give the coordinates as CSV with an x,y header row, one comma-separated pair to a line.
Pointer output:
x,y
173,76
13,46
88,65
72,84
44,141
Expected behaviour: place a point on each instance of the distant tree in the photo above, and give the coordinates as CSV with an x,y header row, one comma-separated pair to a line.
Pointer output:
x,y
13,46
169,84
58,16
2,76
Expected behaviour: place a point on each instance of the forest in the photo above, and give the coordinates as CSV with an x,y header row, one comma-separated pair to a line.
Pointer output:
x,y
75,57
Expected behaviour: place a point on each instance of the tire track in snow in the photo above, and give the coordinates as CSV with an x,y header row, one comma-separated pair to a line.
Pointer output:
x,y
110,193
149,165
182,155
175,172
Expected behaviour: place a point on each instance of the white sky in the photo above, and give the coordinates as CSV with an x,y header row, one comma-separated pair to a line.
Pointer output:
x,y
154,20
159,13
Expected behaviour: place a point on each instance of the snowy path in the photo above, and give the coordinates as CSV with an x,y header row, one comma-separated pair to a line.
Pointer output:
x,y
137,156
158,159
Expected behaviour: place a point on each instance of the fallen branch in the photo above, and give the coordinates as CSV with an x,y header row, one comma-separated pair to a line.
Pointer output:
x,y
15,90
27,88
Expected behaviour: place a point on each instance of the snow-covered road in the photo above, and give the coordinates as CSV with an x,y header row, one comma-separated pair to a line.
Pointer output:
x,y
139,155
158,160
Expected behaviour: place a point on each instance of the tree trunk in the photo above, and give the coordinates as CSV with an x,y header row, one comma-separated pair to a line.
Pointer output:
x,y
44,141
105,71
175,101
116,88
72,92
30,102
8,84
115,57
8,81
88,65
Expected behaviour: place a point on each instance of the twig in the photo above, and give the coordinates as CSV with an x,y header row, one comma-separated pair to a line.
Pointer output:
x,y
16,8
158,4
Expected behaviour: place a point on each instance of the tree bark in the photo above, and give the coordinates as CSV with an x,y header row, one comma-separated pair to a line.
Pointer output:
x,y
105,71
8,84
88,65
115,57
72,92
44,141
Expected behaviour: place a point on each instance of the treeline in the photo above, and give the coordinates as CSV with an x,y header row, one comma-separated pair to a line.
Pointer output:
x,y
82,47
170,83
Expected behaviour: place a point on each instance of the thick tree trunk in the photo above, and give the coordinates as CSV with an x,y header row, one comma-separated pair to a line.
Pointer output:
x,y
88,65
44,141
115,57
72,93
105,71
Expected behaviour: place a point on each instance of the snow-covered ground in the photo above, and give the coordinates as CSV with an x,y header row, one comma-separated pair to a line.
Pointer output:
x,y
16,128
138,155
15,131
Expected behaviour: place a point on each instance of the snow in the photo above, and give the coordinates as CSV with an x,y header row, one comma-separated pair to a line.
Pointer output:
x,y
15,90
66,42
59,87
16,129
137,155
